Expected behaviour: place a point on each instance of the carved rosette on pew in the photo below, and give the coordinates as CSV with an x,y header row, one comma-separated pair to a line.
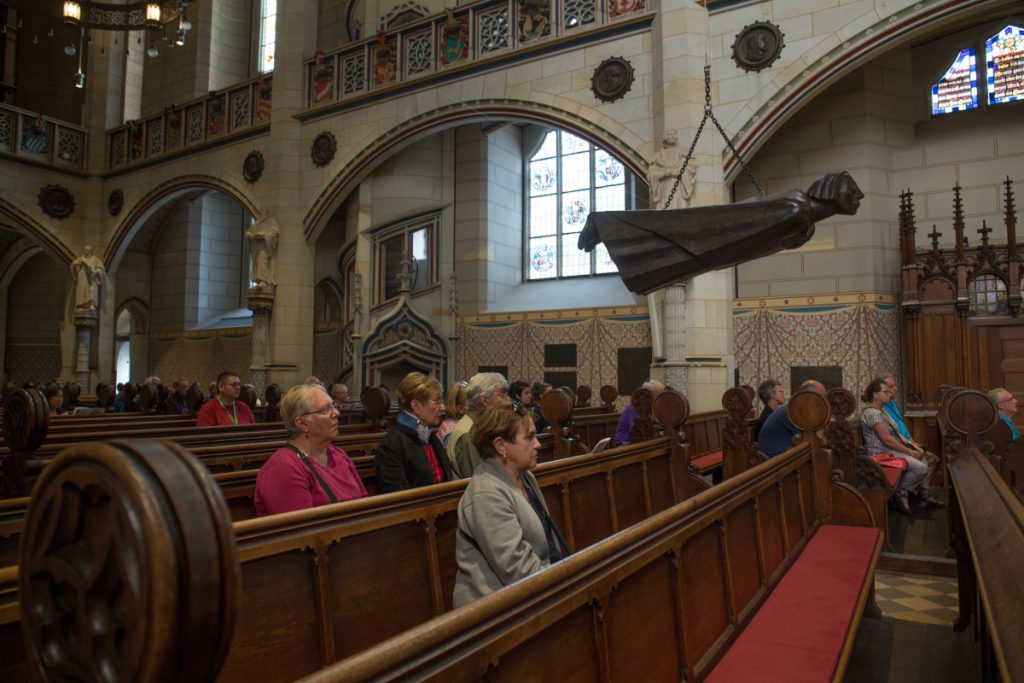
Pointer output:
x,y
376,404
671,410
557,407
738,454
127,568
643,428
26,421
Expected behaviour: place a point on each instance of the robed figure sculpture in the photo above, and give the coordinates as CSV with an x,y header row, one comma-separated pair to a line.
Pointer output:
x,y
654,249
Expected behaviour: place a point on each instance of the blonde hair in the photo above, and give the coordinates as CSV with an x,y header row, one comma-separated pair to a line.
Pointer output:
x,y
296,403
455,397
416,387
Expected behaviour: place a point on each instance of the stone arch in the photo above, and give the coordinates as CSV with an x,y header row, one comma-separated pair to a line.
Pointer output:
x,y
50,242
160,195
139,312
777,104
362,164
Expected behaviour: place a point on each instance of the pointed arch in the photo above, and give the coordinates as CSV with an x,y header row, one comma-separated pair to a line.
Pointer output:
x,y
781,102
49,241
404,336
159,195
338,187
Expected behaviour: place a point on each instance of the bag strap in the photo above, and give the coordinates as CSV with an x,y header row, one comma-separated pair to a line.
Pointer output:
x,y
323,484
538,504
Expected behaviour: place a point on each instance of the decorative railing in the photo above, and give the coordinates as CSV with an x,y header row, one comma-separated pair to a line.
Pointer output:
x,y
457,38
41,138
199,122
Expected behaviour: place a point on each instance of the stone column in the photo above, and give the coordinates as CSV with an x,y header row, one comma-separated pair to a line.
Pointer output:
x,y
85,322
262,304
675,373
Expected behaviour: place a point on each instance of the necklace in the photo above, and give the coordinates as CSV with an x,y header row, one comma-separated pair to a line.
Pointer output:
x,y
234,411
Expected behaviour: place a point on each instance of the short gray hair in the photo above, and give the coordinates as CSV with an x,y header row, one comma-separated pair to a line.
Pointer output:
x,y
994,394
653,386
483,384
296,403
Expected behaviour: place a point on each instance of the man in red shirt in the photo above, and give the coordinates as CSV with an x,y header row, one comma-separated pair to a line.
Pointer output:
x,y
225,408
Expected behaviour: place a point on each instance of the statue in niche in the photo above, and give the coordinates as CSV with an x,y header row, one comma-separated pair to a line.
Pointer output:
x,y
87,271
663,171
262,237
654,249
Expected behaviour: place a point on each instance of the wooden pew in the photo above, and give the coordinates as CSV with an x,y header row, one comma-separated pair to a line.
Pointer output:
x,y
683,595
306,596
987,536
739,453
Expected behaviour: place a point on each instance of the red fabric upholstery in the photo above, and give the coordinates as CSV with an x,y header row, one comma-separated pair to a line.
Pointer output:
x,y
708,461
892,475
798,634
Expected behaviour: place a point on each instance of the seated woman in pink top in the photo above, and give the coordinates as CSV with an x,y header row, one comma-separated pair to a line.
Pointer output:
x,y
310,470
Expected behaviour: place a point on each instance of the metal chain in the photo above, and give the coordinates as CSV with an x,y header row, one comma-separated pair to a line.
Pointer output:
x,y
709,114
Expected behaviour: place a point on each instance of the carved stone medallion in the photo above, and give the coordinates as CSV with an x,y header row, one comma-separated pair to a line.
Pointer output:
x,y
323,149
56,201
612,79
252,167
115,202
757,46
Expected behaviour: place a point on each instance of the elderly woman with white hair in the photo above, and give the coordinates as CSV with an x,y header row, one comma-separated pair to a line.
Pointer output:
x,y
309,470
484,389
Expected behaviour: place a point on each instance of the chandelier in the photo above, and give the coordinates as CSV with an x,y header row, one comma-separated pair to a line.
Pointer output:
x,y
165,21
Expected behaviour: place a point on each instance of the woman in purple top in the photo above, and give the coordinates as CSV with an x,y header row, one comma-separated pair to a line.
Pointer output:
x,y
310,470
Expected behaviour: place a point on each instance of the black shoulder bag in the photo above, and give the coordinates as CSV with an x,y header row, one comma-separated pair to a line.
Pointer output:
x,y
323,484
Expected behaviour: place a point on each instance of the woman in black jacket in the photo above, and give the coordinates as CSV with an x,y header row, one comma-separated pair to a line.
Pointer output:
x,y
411,455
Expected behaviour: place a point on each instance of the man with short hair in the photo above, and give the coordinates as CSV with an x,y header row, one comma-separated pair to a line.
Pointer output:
x,y
1006,404
778,432
176,403
484,389
629,414
773,396
225,408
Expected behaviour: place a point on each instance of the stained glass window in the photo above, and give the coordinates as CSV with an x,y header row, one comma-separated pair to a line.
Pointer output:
x,y
567,178
957,90
987,294
268,35
1004,65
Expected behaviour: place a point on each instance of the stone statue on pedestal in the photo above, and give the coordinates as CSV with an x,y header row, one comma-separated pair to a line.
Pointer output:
x,y
87,271
262,237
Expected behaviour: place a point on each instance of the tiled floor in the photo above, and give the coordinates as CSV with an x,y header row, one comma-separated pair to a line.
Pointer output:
x,y
914,597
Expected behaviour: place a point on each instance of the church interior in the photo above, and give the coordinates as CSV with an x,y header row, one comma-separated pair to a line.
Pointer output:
x,y
357,190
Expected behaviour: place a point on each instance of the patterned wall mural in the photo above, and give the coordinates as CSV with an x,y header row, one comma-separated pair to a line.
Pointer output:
x,y
32,362
200,356
859,333
517,340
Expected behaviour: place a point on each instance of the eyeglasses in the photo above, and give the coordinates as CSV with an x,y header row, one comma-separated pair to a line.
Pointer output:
x,y
1008,399
518,408
434,401
325,411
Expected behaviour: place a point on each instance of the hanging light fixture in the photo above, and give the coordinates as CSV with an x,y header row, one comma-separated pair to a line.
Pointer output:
x,y
72,13
80,75
153,15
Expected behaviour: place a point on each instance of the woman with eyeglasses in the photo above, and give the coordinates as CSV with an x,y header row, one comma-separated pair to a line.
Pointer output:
x,y
310,470
411,455
505,532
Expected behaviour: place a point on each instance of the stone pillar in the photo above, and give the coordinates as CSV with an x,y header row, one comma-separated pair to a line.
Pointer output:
x,y
675,366
262,304
85,322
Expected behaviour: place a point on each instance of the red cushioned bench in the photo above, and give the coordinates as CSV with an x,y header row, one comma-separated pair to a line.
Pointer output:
x,y
708,462
805,629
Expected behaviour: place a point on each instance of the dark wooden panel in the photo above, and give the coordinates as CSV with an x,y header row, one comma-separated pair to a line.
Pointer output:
x,y
447,524
794,514
560,356
806,477
568,650
629,495
659,481
768,513
633,369
401,588
639,613
277,625
705,614
13,668
743,557
591,517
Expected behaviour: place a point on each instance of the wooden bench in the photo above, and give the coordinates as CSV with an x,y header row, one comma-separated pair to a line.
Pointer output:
x,y
987,536
321,584
687,594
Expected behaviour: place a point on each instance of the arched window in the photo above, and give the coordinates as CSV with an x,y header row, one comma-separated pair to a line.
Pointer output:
x,y
567,178
957,90
1004,65
268,35
987,294
326,303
